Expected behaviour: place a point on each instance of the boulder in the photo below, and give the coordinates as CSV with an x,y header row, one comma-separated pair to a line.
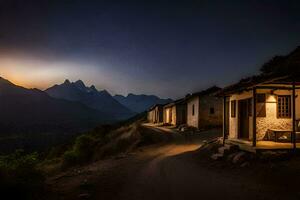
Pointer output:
x,y
232,148
216,156
227,149
245,164
239,157
223,150
231,156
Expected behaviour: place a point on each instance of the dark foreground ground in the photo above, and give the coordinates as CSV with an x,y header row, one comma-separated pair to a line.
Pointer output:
x,y
180,169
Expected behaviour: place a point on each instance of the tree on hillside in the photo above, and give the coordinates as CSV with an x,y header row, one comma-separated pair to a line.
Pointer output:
x,y
273,66
283,65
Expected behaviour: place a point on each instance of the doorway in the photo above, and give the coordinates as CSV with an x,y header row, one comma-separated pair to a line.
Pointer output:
x,y
243,118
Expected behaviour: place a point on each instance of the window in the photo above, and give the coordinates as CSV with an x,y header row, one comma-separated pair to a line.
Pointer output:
x,y
193,109
261,98
233,108
261,105
212,110
284,107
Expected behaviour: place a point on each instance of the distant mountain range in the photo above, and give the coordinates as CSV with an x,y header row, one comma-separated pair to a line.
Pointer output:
x,y
117,107
91,97
35,119
34,111
70,106
140,103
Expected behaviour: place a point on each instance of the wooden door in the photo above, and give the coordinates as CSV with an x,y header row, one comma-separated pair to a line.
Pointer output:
x,y
243,119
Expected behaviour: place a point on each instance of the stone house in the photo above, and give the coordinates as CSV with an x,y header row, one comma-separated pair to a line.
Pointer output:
x,y
175,113
155,114
204,109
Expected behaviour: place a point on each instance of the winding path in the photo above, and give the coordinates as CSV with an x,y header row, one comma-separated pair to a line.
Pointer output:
x,y
166,171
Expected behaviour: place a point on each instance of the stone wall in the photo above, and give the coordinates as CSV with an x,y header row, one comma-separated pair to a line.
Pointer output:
x,y
271,121
206,118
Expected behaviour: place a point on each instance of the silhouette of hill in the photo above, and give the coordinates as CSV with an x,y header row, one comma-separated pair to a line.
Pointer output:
x,y
140,103
27,112
32,120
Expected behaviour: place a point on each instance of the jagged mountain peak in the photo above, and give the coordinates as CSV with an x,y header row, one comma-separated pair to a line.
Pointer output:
x,y
67,81
80,83
93,88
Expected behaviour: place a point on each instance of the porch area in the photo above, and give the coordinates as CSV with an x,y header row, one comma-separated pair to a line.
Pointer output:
x,y
247,145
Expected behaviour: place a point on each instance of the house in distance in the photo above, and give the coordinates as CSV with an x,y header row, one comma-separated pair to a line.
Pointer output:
x,y
155,114
175,113
199,110
204,109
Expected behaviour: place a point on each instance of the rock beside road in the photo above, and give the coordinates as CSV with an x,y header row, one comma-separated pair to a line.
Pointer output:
x,y
217,156
239,157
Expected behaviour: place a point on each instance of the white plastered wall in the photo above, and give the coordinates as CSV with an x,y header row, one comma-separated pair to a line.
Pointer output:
x,y
193,120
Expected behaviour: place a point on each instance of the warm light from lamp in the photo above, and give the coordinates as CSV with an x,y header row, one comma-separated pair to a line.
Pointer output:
x,y
271,98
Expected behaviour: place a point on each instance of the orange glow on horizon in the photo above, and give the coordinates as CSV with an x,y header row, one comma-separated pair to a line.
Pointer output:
x,y
34,73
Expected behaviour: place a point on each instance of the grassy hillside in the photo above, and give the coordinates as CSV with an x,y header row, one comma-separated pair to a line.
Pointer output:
x,y
99,143
26,173
22,174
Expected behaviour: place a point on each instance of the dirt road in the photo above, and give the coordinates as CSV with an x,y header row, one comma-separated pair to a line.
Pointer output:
x,y
165,171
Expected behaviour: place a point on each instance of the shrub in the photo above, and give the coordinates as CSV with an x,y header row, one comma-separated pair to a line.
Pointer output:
x,y
84,145
19,176
81,152
71,157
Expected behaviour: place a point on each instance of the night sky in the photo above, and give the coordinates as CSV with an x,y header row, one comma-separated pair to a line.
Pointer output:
x,y
156,47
